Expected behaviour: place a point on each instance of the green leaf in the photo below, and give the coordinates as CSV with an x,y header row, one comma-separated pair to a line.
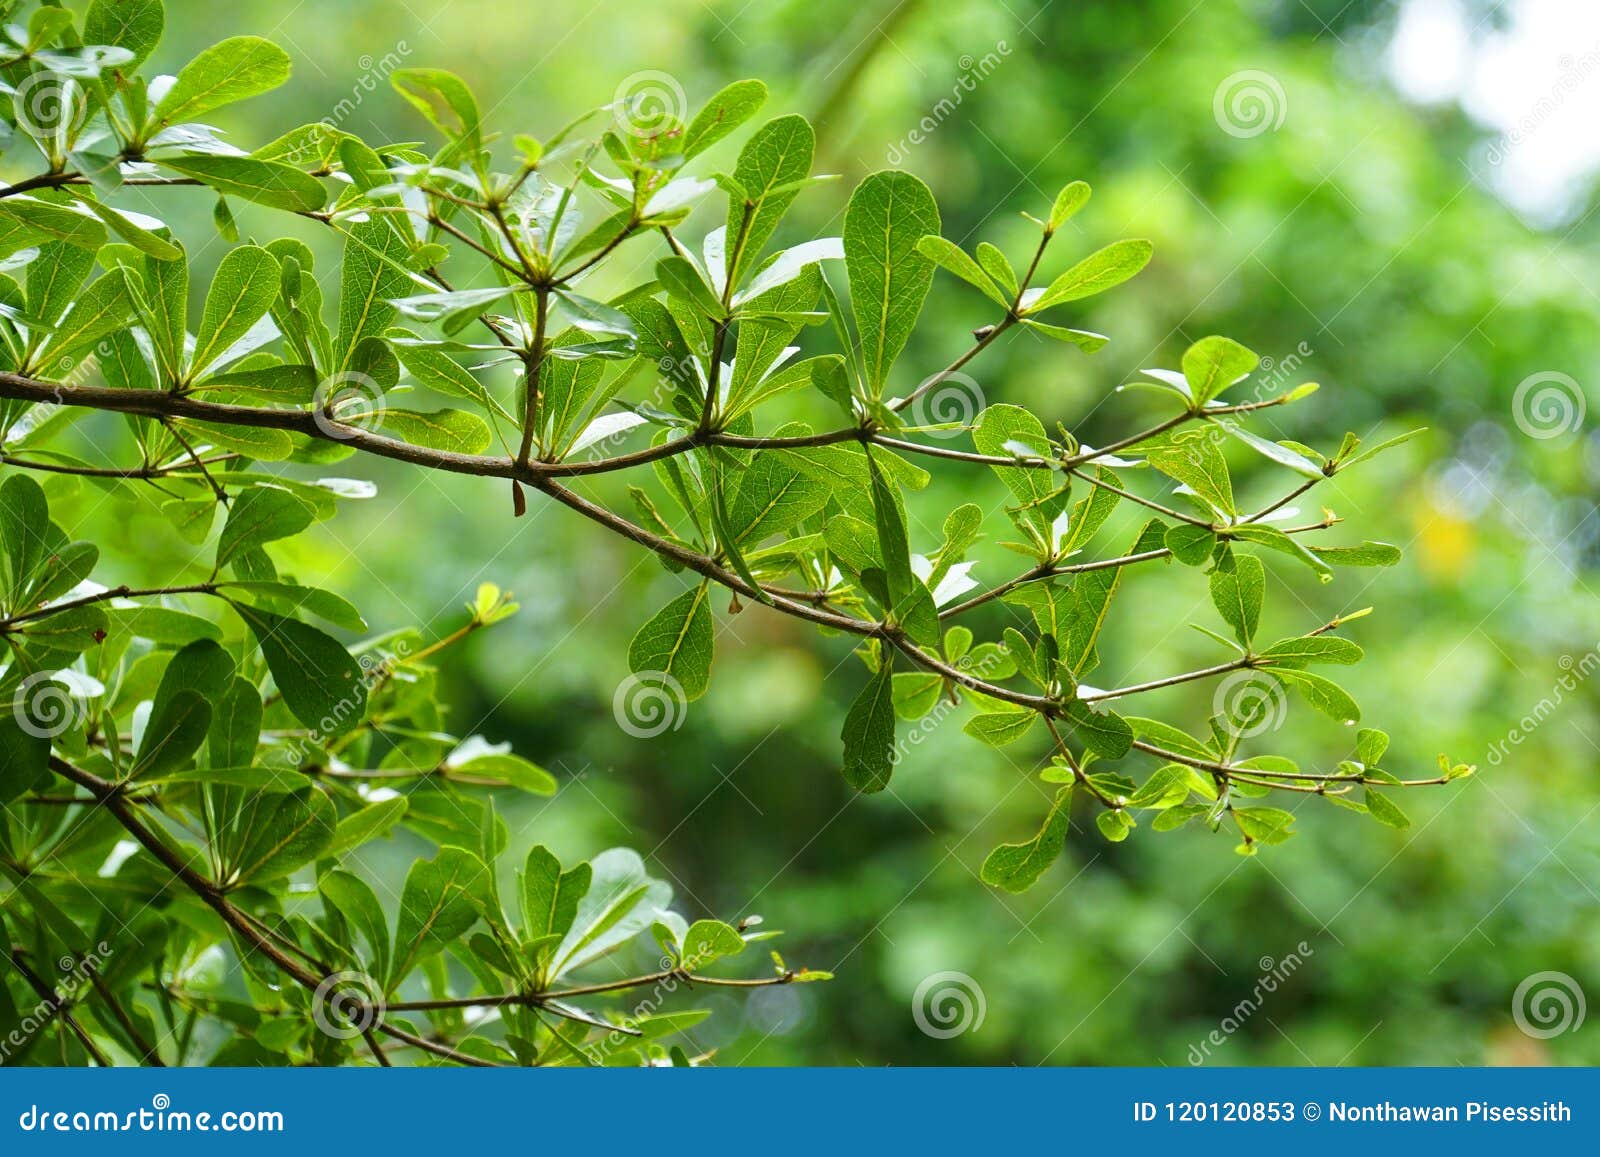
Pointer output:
x,y
1191,545
994,263
622,900
1282,455
1214,363
722,114
868,734
268,183
450,309
1274,539
363,826
260,514
1385,810
457,431
102,308
444,100
677,641
549,895
436,907
502,769
173,734
123,225
1071,198
317,678
134,25
372,273
1100,271
1323,694
1017,867
229,71
1312,649
1114,825
999,428
53,222
1237,586
161,624
235,725
950,256
771,165
1367,554
1194,459
245,285
916,693
1386,444
350,896
282,833
1105,733
708,941
683,281
888,215
1086,340
998,728
1370,745
323,604
1169,738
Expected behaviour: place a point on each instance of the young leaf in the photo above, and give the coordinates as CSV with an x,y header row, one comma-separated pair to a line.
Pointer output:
x,y
953,258
268,183
1100,271
436,907
1214,363
868,734
677,642
1017,867
236,68
888,215
317,678
1237,586
723,113
260,514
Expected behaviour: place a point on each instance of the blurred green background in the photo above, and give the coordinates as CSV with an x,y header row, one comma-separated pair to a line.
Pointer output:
x,y
1358,216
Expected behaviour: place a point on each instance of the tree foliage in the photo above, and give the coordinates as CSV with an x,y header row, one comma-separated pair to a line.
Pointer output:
x,y
187,769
